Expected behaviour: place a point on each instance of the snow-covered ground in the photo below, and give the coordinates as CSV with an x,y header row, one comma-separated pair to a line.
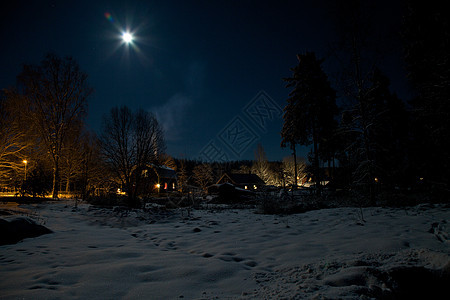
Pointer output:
x,y
329,253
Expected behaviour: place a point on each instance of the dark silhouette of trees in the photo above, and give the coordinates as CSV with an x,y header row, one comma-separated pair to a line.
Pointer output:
x,y
389,131
55,98
358,55
92,171
131,141
426,40
39,180
309,114
375,132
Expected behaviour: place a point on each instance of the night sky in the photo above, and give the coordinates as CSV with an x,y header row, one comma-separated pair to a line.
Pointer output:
x,y
205,68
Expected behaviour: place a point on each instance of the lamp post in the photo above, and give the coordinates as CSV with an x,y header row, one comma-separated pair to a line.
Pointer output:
x,y
25,162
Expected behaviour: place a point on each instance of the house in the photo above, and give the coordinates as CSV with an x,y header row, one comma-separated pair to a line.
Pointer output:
x,y
167,178
161,178
244,181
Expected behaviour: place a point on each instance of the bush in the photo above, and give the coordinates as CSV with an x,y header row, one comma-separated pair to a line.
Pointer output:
x,y
38,183
109,200
281,203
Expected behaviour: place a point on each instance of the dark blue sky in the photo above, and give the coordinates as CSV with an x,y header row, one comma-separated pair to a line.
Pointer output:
x,y
210,70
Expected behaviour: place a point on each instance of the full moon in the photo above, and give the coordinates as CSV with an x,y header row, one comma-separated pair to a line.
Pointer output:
x,y
127,37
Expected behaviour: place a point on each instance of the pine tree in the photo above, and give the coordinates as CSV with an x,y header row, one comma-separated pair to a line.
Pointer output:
x,y
309,114
426,38
389,130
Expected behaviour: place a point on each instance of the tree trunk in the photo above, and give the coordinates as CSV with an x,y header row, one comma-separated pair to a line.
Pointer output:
x,y
67,184
316,162
55,180
295,167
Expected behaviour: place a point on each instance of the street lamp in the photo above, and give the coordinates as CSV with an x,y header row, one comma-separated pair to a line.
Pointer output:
x,y
25,162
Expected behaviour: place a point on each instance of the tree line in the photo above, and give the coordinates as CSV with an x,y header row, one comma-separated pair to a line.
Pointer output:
x,y
375,140
379,141
45,146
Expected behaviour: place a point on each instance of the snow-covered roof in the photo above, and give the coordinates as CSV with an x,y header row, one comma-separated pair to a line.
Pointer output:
x,y
242,179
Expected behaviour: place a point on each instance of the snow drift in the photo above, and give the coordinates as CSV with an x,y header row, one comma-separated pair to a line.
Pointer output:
x,y
16,229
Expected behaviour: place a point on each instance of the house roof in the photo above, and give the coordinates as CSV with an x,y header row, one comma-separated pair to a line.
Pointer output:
x,y
237,178
164,171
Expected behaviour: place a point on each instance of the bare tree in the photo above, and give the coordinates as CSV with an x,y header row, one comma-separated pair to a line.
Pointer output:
x,y
261,166
93,171
130,142
183,176
203,175
56,94
293,171
168,161
13,140
72,156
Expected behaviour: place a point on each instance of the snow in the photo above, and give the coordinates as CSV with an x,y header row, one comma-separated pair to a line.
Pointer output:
x,y
223,253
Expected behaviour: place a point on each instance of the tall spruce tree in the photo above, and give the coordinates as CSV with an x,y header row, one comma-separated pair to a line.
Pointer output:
x,y
426,38
309,114
388,132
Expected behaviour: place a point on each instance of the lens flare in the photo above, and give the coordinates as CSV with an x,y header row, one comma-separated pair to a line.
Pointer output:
x,y
109,17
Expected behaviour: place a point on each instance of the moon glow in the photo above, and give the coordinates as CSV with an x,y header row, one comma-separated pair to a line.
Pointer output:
x,y
127,37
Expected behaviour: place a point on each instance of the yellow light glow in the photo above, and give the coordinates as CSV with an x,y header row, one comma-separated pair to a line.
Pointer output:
x,y
376,179
245,187
255,187
25,161
157,185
